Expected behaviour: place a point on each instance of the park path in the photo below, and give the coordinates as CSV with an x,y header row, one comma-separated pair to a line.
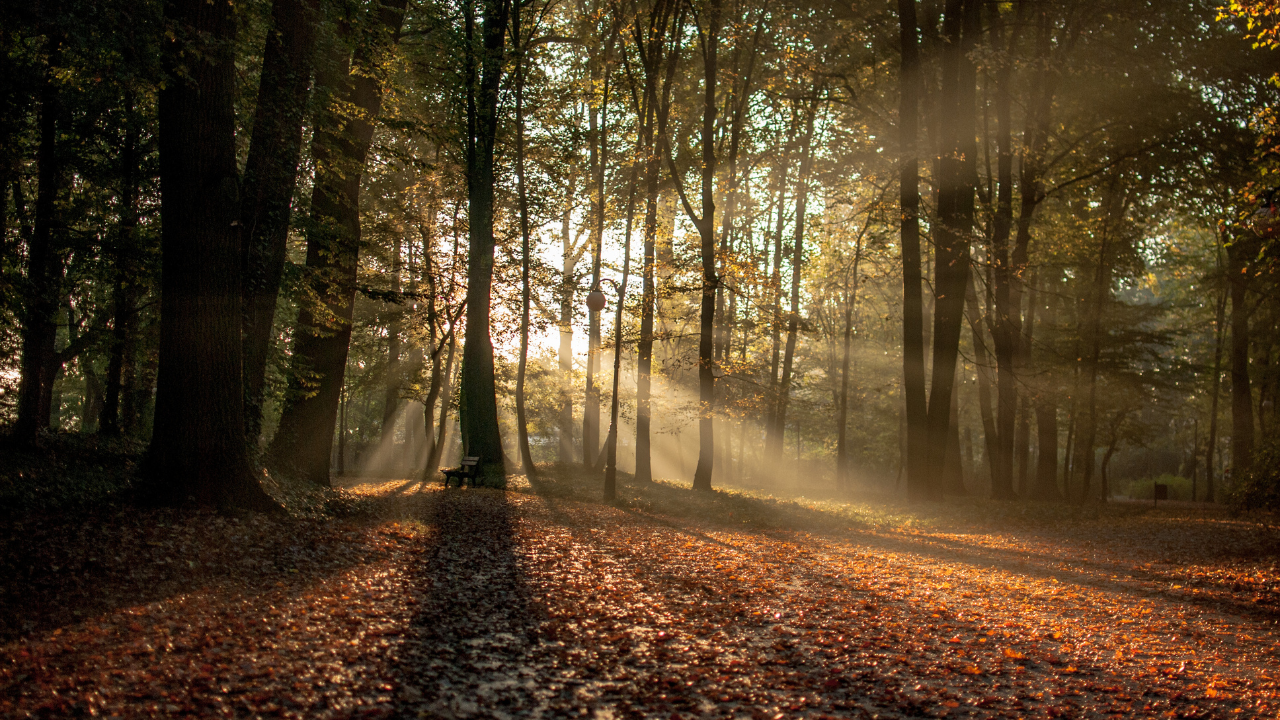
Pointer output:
x,y
475,603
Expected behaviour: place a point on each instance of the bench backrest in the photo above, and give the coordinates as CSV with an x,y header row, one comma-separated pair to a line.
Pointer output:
x,y
470,461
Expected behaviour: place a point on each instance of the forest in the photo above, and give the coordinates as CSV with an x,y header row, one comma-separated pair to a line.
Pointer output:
x,y
826,303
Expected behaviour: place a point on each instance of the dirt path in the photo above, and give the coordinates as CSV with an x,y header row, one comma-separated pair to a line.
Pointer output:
x,y
480,604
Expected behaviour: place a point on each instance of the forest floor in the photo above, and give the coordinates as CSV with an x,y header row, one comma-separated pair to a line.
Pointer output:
x,y
543,602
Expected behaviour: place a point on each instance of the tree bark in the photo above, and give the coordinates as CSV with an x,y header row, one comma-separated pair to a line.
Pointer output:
x,y
1022,434
303,444
955,219
611,442
270,176
479,414
197,448
842,418
707,232
797,265
912,278
522,195
773,431
651,43
1005,330
1220,328
1241,394
124,295
394,373
983,366
599,121
442,430
44,265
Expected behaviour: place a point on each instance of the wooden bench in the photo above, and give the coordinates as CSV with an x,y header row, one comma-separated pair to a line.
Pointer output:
x,y
468,472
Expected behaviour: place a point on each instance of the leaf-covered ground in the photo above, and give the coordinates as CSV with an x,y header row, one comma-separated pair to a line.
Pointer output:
x,y
541,602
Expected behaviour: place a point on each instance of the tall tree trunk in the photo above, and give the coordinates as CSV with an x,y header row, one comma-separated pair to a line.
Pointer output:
x,y
522,195
707,231
842,415
270,176
773,431
394,373
304,441
912,275
442,429
982,363
1092,333
659,71
197,448
955,218
611,442
568,285
479,414
1215,383
44,265
1005,330
1046,486
1022,434
1241,394
124,295
599,122
797,265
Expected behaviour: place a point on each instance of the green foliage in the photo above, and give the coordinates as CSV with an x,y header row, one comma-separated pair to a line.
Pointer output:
x,y
68,472
1259,488
1179,487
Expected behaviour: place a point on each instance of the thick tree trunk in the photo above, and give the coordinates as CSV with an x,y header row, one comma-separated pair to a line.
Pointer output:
x,y
1241,394
479,414
955,218
912,276
1005,328
44,269
197,448
270,176
304,441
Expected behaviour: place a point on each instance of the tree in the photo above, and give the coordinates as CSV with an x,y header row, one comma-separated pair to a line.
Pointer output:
x,y
304,441
479,411
270,176
197,448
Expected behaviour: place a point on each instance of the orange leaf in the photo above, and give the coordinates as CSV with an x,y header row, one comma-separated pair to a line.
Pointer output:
x,y
1014,654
